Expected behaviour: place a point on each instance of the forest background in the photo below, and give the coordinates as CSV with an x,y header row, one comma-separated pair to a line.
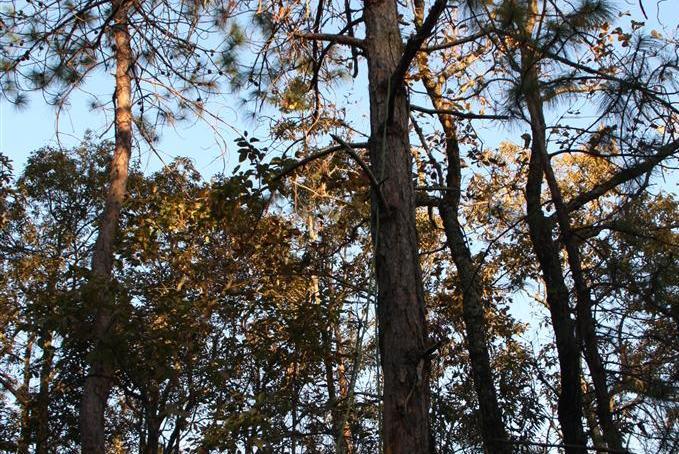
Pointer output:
x,y
269,264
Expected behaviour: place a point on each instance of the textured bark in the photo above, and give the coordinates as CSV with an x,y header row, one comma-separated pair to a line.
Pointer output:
x,y
493,431
99,379
401,311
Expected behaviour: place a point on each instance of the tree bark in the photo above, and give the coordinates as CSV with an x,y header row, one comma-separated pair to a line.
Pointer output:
x,y
99,379
400,308
493,431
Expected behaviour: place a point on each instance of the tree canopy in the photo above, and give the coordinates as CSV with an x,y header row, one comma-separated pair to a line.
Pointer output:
x,y
456,231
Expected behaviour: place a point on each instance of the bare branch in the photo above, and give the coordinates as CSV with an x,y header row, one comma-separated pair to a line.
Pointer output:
x,y
623,176
457,113
337,39
319,154
373,181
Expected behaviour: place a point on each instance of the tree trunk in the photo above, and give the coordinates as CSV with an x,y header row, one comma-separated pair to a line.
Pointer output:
x,y
152,432
24,391
343,428
585,318
547,252
99,379
400,308
41,410
570,396
590,417
493,431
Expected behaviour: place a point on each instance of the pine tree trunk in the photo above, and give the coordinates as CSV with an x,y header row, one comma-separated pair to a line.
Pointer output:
x,y
401,311
585,318
42,404
99,379
570,396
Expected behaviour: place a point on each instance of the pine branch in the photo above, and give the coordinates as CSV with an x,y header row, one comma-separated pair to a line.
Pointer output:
x,y
457,113
623,176
337,39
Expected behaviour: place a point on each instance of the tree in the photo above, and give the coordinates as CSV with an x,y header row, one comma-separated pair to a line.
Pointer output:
x,y
469,273
281,307
47,243
403,340
150,45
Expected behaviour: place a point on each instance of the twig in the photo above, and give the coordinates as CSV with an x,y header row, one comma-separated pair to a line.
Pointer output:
x,y
458,114
318,155
330,37
373,181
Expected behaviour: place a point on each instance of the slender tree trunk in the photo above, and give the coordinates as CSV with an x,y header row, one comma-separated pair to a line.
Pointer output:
x,y
343,427
493,431
547,252
41,419
340,429
590,416
24,442
99,379
400,311
585,318
540,229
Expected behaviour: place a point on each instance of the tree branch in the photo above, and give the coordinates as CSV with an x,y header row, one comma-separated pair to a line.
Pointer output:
x,y
456,42
337,39
373,181
319,154
414,43
412,47
457,113
623,176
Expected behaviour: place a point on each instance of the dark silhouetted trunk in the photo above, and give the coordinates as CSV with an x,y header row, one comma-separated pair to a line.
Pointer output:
x,y
540,230
493,431
401,311
152,433
570,396
585,318
99,378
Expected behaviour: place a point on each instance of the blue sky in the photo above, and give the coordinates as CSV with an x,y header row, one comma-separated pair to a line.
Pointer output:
x,y
22,131
37,125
